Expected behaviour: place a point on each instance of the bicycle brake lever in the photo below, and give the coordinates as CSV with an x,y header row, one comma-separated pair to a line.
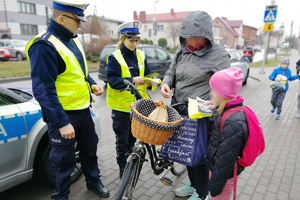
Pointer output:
x,y
125,89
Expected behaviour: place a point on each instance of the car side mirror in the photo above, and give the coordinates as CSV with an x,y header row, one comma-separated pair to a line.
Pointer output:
x,y
246,59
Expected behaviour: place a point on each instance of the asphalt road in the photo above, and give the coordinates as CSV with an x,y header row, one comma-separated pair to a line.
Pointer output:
x,y
34,189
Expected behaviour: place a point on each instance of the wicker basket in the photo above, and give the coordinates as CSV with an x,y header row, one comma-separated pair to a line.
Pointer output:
x,y
151,131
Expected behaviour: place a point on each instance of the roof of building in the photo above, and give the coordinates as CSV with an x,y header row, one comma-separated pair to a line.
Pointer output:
x,y
227,24
251,27
107,19
162,17
235,23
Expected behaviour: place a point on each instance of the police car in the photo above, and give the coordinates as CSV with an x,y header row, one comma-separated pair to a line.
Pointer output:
x,y
24,142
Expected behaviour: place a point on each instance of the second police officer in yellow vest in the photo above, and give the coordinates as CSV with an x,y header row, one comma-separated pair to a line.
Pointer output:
x,y
129,63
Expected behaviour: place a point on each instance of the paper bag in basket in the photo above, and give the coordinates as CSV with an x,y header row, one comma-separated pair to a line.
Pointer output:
x,y
160,112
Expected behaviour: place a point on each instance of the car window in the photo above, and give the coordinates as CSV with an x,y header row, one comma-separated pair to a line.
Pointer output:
x,y
150,53
106,52
162,55
1,44
233,57
20,43
238,55
8,43
4,102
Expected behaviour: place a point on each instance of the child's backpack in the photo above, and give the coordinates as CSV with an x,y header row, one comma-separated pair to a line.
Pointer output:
x,y
255,144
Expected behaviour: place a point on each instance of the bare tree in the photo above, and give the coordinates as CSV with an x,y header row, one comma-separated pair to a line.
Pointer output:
x,y
173,30
97,27
84,29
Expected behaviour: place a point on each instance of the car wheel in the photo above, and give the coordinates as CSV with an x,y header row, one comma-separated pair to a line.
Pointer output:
x,y
44,167
19,56
246,79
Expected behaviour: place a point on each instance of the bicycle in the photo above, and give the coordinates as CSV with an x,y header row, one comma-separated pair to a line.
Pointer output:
x,y
136,160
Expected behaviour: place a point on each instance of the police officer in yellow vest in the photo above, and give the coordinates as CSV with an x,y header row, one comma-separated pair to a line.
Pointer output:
x,y
129,63
62,86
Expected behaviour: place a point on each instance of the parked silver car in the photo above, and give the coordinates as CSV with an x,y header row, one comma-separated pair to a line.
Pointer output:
x,y
24,141
238,61
16,48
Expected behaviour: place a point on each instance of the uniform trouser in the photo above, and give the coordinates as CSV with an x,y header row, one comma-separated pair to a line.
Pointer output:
x,y
199,177
62,154
124,139
299,96
277,100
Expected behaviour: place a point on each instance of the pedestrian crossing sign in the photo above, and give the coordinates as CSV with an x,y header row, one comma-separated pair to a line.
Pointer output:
x,y
268,27
270,14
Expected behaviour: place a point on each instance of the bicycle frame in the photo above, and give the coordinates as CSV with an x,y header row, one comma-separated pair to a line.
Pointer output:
x,y
137,158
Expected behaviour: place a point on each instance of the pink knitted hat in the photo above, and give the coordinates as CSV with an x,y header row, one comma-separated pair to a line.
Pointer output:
x,y
227,83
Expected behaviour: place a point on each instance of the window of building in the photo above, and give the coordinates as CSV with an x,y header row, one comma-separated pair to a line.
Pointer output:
x,y
160,27
25,7
145,28
28,29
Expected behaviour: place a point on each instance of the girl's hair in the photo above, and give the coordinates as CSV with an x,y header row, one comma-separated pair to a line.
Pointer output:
x,y
121,42
222,105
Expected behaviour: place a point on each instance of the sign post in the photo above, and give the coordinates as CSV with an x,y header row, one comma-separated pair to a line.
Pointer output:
x,y
269,19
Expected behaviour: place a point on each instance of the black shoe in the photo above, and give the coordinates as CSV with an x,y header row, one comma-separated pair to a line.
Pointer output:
x,y
100,190
122,168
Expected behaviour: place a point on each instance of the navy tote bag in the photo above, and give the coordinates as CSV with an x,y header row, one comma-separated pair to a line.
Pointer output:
x,y
188,144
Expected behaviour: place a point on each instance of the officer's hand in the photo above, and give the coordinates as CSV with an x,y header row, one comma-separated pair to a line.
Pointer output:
x,y
138,80
164,90
67,131
97,90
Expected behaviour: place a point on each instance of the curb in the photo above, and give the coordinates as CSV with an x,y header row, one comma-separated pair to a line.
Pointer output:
x,y
255,78
26,78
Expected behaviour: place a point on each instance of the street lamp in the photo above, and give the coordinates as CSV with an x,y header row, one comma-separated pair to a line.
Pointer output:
x,y
154,22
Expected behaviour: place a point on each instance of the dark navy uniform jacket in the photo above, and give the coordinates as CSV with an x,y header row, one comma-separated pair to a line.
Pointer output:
x,y
114,71
46,64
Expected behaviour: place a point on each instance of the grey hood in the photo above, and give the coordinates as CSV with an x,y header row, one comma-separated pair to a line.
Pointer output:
x,y
190,72
197,24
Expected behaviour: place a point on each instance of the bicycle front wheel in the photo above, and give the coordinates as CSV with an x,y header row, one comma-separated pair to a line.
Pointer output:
x,y
178,169
128,181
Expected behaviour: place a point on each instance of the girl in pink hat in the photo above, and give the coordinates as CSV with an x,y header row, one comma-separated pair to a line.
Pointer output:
x,y
227,145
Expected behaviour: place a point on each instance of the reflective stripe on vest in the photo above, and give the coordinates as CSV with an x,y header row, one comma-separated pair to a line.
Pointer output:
x,y
122,100
73,91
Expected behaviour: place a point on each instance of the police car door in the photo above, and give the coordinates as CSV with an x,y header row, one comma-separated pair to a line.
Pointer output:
x,y
13,139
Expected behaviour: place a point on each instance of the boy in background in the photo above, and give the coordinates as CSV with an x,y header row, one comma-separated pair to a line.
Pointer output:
x,y
281,77
298,72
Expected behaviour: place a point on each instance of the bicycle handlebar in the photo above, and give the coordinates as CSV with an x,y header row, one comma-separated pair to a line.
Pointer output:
x,y
131,87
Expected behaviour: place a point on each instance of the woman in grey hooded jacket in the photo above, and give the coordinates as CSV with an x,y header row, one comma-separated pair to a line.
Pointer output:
x,y
196,60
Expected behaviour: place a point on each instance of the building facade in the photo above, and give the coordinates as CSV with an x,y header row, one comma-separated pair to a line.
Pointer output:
x,y
168,26
233,33
230,35
23,19
250,34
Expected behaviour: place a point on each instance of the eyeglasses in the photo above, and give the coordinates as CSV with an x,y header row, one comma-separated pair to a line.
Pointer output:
x,y
134,41
78,21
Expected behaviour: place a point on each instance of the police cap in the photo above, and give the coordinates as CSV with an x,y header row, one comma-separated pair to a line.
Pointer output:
x,y
130,29
76,7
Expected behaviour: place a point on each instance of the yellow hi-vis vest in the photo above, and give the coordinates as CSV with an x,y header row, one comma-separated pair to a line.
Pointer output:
x,y
73,91
122,100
